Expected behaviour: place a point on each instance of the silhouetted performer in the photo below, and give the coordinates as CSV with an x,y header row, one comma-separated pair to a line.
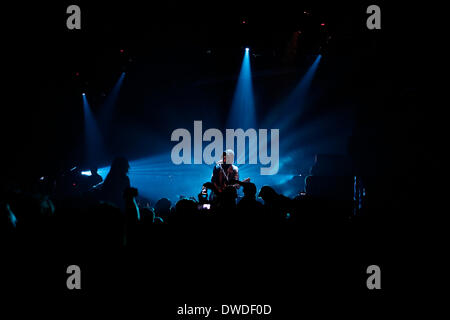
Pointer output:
x,y
116,182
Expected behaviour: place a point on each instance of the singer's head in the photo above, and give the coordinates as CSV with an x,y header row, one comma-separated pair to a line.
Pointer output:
x,y
228,156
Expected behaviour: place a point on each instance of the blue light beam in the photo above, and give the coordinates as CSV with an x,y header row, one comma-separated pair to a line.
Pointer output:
x,y
242,114
292,108
107,110
94,149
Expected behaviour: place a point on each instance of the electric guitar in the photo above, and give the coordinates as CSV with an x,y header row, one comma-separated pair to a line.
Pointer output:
x,y
232,182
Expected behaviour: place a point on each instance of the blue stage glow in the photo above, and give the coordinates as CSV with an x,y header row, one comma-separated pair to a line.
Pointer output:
x,y
157,177
327,129
103,172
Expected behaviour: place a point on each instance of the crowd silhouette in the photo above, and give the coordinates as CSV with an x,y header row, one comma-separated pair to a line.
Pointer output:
x,y
80,210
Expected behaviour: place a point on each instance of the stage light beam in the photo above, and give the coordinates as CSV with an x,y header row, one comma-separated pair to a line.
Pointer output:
x,y
94,149
293,107
107,109
242,114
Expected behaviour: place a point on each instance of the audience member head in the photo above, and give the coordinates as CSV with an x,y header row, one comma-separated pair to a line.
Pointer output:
x,y
162,208
267,193
249,189
119,166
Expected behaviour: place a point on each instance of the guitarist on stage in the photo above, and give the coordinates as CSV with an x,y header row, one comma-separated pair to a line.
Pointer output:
x,y
225,173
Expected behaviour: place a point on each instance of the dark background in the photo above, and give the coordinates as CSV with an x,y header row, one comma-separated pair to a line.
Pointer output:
x,y
372,75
